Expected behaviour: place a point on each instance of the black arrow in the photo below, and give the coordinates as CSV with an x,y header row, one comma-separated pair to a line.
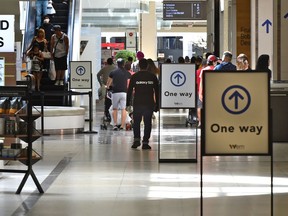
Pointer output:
x,y
267,23
236,95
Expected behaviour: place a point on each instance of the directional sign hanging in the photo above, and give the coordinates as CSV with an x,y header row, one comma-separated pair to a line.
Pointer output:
x,y
265,39
267,23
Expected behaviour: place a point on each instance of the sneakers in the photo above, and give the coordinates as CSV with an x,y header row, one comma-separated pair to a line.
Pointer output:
x,y
115,128
59,83
146,146
136,144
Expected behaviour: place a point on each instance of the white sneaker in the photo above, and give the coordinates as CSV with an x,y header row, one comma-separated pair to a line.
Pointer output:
x,y
61,82
57,82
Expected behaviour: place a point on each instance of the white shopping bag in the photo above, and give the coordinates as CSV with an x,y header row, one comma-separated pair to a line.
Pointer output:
x,y
50,8
52,71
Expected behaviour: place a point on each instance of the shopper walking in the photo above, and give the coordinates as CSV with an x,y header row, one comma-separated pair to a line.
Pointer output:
x,y
144,88
118,80
102,77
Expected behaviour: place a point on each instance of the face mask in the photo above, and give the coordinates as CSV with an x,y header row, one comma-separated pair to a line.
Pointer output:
x,y
46,21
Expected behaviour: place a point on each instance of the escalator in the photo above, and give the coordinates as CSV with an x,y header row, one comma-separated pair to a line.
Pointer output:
x,y
63,17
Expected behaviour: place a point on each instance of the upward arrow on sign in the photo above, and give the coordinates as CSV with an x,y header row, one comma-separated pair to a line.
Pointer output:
x,y
267,23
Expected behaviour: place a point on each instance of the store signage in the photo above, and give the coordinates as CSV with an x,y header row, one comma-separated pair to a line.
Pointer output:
x,y
81,76
130,38
7,33
184,10
178,86
236,113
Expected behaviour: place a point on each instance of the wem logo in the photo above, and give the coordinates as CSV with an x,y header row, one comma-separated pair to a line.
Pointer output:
x,y
237,147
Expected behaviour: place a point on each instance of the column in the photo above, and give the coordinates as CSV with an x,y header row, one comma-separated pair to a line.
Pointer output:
x,y
148,32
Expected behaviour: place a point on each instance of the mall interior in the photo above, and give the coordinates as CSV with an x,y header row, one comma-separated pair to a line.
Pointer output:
x,y
69,161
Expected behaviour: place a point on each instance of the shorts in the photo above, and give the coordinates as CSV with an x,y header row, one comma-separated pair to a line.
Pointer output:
x,y
60,63
119,100
199,103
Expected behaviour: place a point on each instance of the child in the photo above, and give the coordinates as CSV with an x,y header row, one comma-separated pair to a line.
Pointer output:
x,y
37,59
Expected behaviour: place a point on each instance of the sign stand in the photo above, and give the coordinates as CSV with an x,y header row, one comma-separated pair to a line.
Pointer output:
x,y
81,78
236,96
177,91
90,114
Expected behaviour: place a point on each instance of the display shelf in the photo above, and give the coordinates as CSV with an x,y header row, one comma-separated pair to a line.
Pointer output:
x,y
26,130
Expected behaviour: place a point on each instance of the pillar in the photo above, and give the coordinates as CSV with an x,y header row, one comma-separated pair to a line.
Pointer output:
x,y
148,32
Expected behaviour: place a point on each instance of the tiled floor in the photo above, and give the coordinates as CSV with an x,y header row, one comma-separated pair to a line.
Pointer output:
x,y
99,174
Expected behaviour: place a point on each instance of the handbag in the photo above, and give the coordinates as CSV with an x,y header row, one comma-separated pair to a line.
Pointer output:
x,y
52,71
47,55
50,9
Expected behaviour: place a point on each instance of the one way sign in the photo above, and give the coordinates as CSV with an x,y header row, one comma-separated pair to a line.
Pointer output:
x,y
236,113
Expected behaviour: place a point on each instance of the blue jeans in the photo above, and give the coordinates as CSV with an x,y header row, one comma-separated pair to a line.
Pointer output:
x,y
41,10
146,113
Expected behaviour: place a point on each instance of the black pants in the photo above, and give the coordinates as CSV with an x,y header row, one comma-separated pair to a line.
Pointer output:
x,y
146,113
107,105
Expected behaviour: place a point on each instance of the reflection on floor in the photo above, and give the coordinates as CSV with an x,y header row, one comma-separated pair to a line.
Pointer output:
x,y
99,174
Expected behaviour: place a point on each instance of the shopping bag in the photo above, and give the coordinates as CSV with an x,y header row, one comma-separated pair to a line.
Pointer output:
x,y
46,55
50,9
52,71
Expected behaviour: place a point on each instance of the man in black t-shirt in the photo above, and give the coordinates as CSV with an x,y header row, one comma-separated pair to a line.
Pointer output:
x,y
118,80
144,87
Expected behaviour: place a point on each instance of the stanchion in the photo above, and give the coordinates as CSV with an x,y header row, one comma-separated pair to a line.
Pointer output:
x,y
68,93
90,114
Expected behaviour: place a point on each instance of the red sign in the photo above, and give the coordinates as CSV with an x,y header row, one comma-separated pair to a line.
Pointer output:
x,y
119,46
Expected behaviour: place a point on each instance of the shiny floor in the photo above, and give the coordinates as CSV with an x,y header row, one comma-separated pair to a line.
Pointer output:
x,y
99,174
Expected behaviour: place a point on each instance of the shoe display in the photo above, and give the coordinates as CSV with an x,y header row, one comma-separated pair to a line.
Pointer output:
x,y
136,144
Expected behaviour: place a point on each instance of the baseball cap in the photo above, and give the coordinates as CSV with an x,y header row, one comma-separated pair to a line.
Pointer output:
x,y
56,27
212,58
120,61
